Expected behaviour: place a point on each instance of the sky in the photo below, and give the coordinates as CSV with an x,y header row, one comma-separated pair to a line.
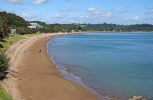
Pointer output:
x,y
82,11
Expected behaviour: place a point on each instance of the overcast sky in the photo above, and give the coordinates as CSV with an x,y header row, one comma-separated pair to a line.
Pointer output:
x,y
82,11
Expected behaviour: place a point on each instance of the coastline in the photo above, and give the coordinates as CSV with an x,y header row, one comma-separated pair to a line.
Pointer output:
x,y
66,73
33,76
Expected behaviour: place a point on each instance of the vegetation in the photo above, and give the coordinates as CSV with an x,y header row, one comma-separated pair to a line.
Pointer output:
x,y
25,30
3,65
95,27
5,28
4,31
108,27
9,20
14,21
4,95
4,61
50,28
5,43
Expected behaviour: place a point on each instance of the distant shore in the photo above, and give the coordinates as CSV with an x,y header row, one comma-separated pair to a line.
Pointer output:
x,y
33,76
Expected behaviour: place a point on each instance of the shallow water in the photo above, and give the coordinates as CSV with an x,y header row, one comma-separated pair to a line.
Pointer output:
x,y
120,64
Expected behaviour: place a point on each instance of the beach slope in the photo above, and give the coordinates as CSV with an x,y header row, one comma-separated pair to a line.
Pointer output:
x,y
34,76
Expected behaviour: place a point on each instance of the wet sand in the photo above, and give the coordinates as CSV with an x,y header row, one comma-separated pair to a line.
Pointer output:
x,y
33,76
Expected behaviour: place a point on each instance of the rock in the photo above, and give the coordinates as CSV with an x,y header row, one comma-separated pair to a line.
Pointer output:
x,y
40,51
19,78
12,73
138,98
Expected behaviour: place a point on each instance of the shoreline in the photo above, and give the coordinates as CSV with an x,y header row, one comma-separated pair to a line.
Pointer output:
x,y
69,76
33,76
78,80
106,96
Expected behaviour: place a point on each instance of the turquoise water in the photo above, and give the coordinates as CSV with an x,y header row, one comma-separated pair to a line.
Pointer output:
x,y
118,64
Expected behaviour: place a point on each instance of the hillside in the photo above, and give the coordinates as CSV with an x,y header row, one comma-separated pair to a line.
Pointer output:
x,y
13,20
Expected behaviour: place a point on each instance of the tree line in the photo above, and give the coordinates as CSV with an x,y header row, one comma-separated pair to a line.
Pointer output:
x,y
104,27
10,20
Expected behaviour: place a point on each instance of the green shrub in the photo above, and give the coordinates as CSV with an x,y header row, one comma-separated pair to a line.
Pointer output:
x,y
4,63
25,30
4,95
32,31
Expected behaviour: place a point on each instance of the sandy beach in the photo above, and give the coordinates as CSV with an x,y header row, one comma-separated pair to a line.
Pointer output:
x,y
33,76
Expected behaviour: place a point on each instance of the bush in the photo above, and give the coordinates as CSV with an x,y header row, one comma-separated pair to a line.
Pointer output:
x,y
22,31
4,63
32,31
4,95
25,30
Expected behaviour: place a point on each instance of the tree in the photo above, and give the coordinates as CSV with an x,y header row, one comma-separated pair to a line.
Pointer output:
x,y
25,30
13,19
1,33
79,28
4,63
5,28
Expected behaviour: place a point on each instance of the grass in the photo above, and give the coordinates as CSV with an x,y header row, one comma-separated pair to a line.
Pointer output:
x,y
4,44
4,95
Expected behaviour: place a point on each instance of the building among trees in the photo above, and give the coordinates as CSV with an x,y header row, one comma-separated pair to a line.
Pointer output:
x,y
35,25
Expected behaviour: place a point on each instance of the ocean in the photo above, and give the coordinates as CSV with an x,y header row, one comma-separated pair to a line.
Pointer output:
x,y
108,64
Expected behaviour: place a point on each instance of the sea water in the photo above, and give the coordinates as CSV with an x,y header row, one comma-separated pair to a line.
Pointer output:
x,y
118,64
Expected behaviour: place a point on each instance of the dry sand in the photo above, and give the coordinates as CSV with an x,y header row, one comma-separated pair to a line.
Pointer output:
x,y
33,76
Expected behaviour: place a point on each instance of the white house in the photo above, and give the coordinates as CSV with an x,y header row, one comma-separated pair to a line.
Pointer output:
x,y
35,25
13,31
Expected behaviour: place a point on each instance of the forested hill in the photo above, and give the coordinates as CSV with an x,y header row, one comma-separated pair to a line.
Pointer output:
x,y
10,21
117,28
13,20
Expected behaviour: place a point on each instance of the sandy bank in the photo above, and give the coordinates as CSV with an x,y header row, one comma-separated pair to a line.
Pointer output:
x,y
34,77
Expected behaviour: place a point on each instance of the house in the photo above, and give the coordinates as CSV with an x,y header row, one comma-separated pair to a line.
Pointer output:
x,y
35,26
13,31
